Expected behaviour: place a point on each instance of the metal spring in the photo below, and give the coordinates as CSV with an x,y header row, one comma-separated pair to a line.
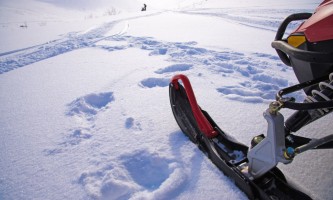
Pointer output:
x,y
322,86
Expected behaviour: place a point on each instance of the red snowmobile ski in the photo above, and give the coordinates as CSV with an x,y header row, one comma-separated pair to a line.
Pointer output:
x,y
308,50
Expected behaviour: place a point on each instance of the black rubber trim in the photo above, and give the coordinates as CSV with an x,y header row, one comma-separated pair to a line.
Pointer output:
x,y
308,56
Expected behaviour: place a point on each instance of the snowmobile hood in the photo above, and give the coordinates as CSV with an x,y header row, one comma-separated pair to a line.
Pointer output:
x,y
319,27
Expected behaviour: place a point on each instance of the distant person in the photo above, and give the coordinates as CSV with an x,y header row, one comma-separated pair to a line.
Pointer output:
x,y
144,8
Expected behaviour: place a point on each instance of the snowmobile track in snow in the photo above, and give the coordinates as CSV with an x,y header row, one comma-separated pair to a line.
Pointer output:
x,y
71,41
253,18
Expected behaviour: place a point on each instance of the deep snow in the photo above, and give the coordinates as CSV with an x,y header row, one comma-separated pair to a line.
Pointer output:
x,y
85,110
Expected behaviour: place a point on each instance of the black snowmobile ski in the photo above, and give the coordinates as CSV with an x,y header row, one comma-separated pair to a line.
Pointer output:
x,y
225,152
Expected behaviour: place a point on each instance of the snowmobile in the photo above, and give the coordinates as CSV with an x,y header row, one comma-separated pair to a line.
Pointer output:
x,y
308,50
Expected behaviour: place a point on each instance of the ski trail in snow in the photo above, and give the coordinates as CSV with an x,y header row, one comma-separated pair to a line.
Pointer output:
x,y
256,19
21,57
31,55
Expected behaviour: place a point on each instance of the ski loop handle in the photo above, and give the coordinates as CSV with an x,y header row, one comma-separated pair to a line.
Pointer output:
x,y
201,120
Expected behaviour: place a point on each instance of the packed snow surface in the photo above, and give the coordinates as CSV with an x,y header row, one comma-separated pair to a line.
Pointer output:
x,y
84,97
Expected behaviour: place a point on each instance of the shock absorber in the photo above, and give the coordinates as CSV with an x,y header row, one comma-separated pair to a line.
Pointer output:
x,y
303,117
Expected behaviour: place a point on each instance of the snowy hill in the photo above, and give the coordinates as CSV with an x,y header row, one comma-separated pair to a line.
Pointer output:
x,y
85,109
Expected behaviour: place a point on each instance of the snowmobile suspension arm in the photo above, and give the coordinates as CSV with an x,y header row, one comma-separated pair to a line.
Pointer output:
x,y
202,121
286,103
314,143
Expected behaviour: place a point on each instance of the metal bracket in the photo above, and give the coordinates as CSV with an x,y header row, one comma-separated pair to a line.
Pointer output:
x,y
265,155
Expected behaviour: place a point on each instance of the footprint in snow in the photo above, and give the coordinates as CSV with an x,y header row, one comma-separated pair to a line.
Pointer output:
x,y
89,105
130,123
111,48
159,51
109,182
174,68
158,177
76,137
265,55
271,79
154,82
250,92
73,138
85,108
147,170
164,82
142,175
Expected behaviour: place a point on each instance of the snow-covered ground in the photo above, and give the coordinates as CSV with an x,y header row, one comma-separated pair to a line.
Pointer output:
x,y
84,99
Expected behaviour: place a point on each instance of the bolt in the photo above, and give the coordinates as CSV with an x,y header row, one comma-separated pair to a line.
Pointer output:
x,y
289,153
274,107
256,140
